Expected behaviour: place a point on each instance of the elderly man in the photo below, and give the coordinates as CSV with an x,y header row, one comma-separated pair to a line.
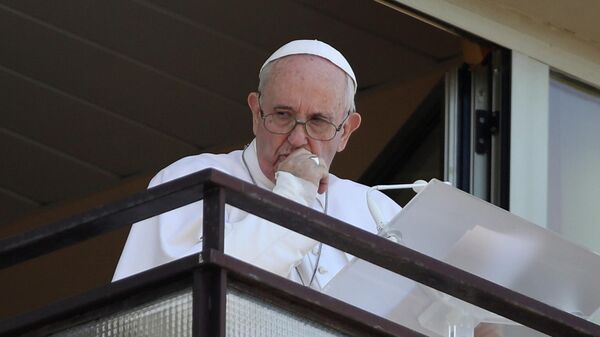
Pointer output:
x,y
302,115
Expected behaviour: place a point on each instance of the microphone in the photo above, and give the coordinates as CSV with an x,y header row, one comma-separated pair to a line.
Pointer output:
x,y
417,186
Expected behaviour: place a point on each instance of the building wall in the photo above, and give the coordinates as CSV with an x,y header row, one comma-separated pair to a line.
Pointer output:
x,y
562,34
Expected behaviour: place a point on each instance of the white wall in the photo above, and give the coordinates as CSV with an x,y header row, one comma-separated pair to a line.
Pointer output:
x,y
537,34
529,139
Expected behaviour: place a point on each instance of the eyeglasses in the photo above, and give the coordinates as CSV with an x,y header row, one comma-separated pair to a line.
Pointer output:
x,y
282,123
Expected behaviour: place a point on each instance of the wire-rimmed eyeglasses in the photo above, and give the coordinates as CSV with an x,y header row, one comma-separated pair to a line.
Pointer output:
x,y
282,123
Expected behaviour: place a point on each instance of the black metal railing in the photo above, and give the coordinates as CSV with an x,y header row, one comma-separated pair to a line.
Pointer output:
x,y
212,269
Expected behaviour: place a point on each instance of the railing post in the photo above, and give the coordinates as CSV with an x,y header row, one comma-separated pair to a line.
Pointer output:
x,y
210,283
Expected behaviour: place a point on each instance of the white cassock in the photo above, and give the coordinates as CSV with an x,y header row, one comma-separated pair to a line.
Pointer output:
x,y
178,233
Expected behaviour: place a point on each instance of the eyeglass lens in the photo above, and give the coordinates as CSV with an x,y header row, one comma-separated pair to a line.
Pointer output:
x,y
316,128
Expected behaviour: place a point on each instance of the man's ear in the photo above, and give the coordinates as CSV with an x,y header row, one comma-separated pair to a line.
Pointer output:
x,y
350,126
254,106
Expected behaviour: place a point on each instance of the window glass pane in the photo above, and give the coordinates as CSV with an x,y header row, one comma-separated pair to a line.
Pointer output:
x,y
574,159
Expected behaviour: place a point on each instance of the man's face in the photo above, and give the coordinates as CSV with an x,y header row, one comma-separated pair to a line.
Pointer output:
x,y
306,87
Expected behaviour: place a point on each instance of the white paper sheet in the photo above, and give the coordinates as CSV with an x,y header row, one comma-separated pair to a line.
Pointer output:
x,y
450,225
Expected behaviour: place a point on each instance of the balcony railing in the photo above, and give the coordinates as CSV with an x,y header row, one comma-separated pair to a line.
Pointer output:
x,y
211,279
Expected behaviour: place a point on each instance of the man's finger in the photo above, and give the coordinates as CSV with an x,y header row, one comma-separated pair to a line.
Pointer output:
x,y
323,185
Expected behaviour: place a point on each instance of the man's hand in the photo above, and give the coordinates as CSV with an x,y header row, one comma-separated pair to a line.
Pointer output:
x,y
300,164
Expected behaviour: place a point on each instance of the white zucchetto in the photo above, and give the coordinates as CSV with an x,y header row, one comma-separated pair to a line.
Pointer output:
x,y
317,48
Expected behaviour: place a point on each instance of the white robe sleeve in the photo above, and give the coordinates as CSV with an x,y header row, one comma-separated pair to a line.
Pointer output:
x,y
178,233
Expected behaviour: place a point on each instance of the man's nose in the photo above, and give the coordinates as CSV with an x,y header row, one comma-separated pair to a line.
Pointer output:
x,y
298,136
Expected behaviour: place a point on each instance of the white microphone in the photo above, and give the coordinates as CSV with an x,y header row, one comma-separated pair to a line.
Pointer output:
x,y
417,186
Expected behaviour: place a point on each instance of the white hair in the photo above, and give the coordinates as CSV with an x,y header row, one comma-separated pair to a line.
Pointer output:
x,y
349,104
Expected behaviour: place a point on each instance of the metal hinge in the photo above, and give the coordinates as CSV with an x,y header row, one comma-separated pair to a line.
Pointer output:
x,y
487,125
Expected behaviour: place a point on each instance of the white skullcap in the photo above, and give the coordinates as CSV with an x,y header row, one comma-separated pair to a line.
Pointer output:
x,y
314,47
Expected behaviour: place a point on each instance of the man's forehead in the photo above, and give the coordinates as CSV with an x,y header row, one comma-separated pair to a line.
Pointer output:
x,y
306,64
306,94
296,75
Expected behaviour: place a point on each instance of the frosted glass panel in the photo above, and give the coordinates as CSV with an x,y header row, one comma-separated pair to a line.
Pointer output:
x,y
168,316
246,316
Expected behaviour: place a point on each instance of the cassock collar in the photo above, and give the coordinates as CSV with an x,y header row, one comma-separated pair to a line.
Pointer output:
x,y
251,157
